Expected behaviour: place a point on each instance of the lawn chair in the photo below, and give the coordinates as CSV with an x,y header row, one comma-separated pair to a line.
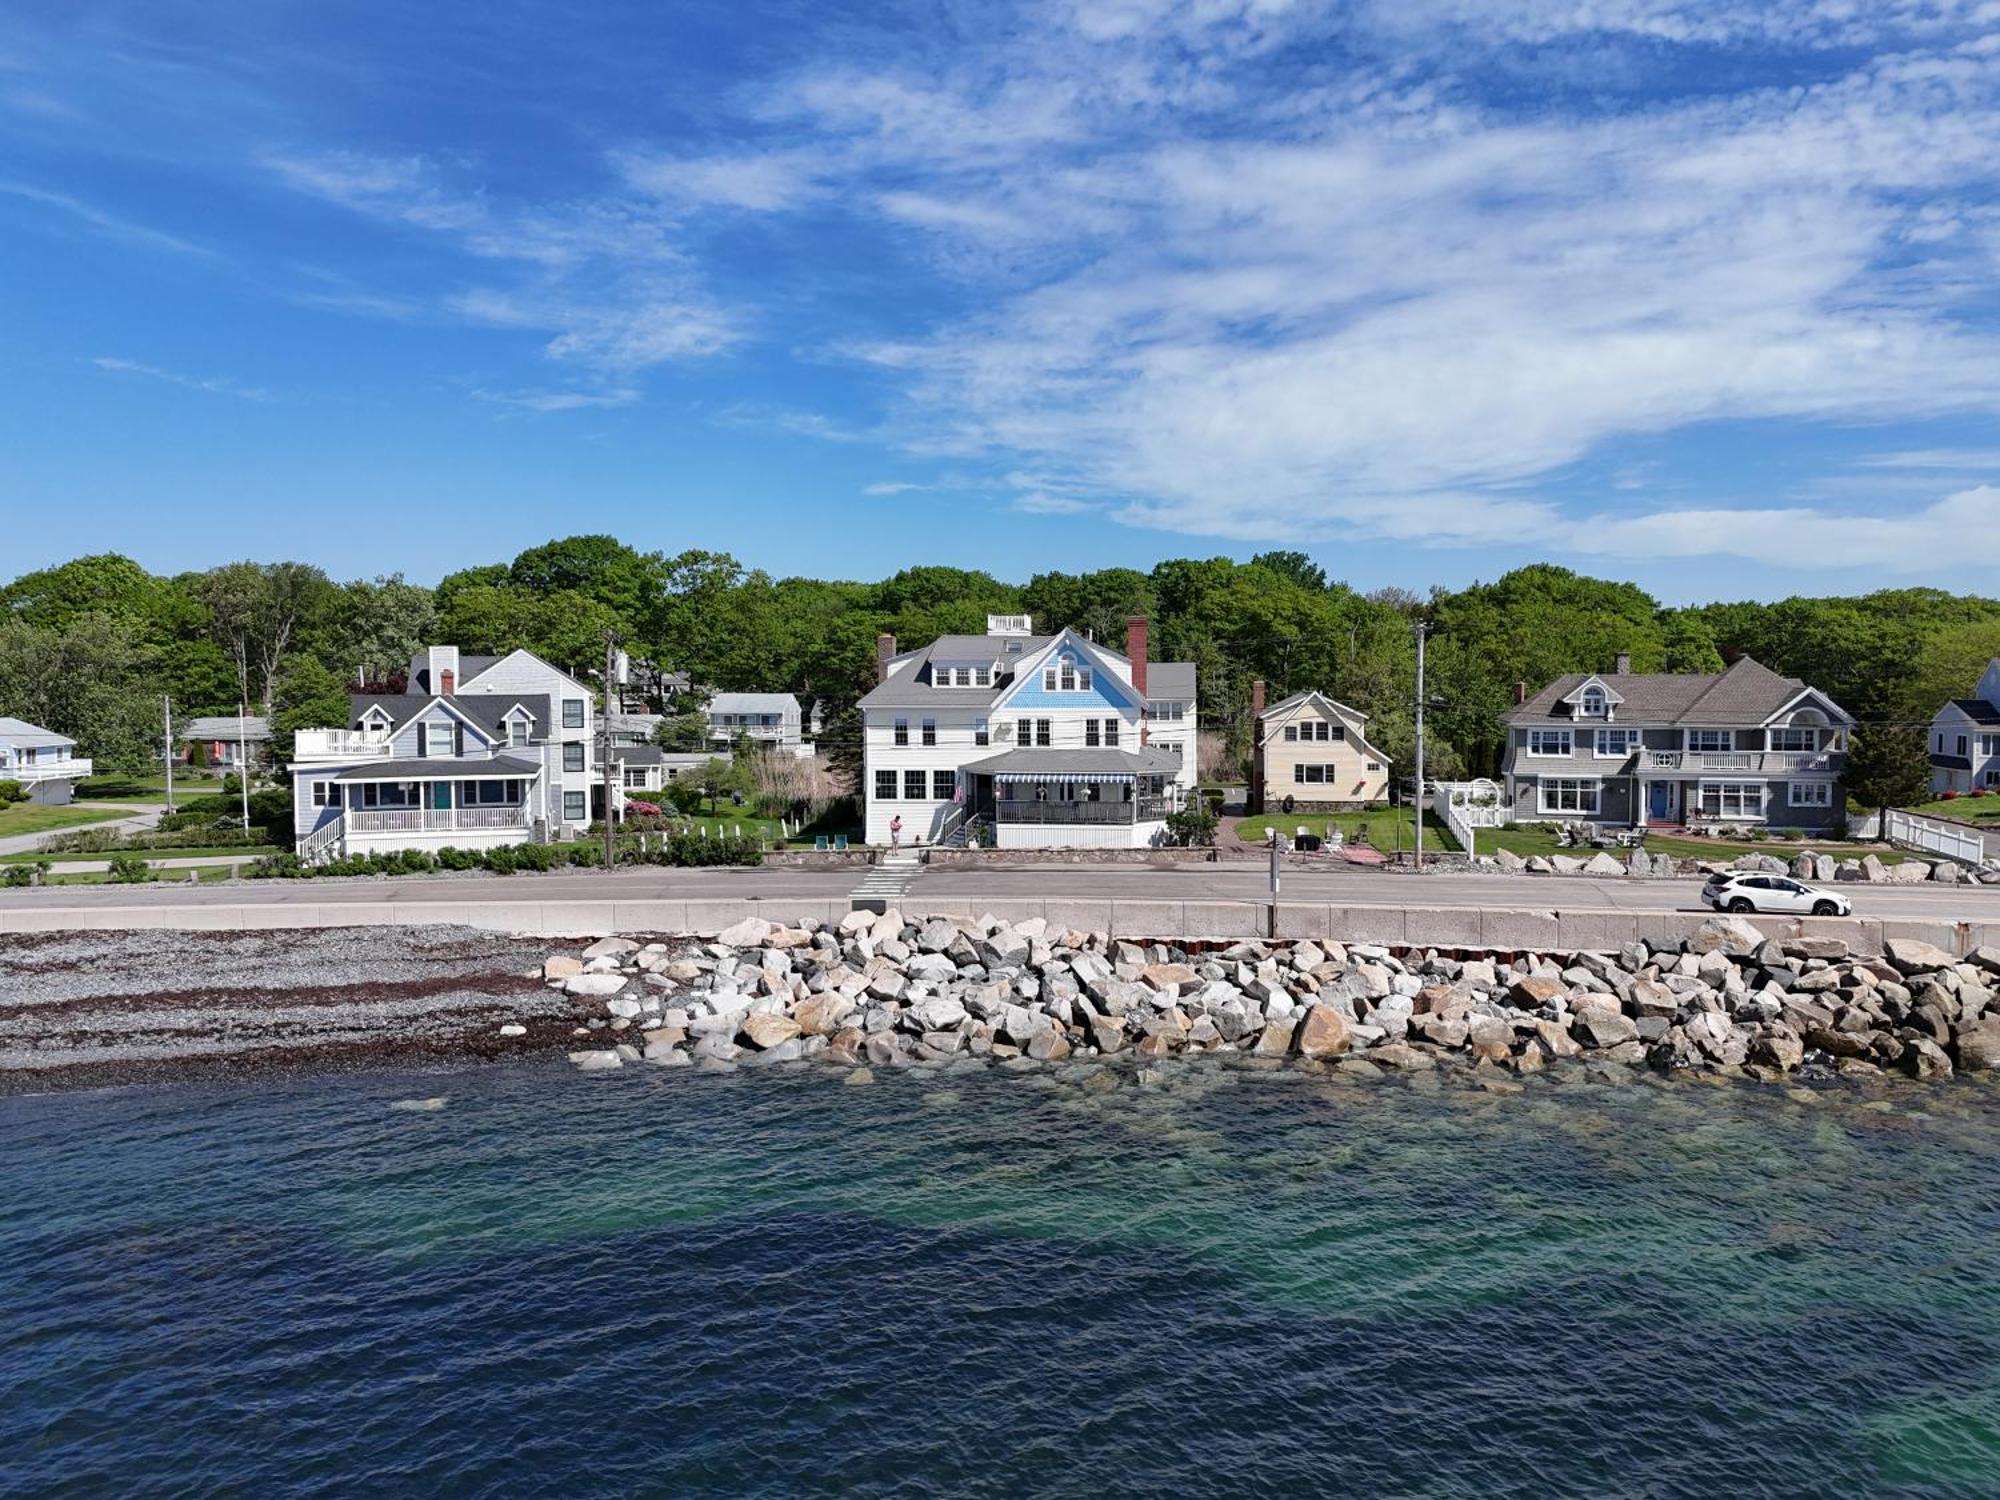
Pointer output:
x,y
840,843
820,845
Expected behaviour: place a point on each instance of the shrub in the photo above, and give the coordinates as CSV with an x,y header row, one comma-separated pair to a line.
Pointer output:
x,y
12,791
1950,796
129,869
634,808
1192,826
20,875
1978,791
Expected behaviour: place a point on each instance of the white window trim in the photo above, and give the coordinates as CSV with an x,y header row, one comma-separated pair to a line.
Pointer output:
x,y
1763,800
1688,744
1595,783
1824,789
1568,735
1633,741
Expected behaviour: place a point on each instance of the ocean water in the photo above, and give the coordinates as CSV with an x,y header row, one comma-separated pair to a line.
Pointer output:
x,y
1227,1281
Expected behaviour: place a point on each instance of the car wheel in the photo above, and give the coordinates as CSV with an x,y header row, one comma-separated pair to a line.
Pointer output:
x,y
1825,909
1741,904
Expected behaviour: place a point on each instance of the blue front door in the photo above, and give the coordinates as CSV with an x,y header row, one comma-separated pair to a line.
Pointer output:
x,y
1661,801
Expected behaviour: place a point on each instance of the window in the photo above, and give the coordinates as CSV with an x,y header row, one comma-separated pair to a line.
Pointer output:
x,y
1090,733
979,732
1048,679
326,794
1291,732
885,786
902,732
1592,704
572,713
1811,794
1111,732
943,784
573,756
1069,677
1163,709
1989,746
979,677
1795,739
929,731
1375,765
1732,799
1617,742
517,732
1961,746
634,779
1563,794
1940,743
1711,740
1315,775
913,786
573,807
1022,734
1083,679
1550,741
1041,734
1990,778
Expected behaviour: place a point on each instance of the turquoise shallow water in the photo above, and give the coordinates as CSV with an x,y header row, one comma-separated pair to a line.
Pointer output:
x,y
1236,1282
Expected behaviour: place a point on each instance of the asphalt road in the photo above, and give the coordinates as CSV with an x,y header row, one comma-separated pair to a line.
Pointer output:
x,y
1219,882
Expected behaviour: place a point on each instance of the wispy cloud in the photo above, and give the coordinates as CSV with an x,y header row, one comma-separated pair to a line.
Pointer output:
x,y
107,224
553,401
885,487
1935,458
214,385
1963,527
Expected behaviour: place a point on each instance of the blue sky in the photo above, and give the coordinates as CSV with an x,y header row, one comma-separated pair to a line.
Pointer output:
x,y
1699,294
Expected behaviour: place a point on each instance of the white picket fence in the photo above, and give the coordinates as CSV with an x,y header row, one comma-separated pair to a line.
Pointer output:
x,y
1934,838
1466,806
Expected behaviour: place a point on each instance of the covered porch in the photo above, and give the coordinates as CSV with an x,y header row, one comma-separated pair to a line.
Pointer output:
x,y
1040,799
430,804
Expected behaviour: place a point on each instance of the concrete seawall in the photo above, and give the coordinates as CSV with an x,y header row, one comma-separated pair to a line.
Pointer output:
x,y
1506,929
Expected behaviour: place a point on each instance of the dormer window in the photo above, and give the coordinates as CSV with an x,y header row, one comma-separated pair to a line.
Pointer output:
x,y
1592,705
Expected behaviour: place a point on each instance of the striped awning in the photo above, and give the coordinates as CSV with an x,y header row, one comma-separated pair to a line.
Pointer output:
x,y
1061,776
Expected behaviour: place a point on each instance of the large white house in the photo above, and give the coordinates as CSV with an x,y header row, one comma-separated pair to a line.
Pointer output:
x,y
774,720
482,751
1965,738
1027,741
43,762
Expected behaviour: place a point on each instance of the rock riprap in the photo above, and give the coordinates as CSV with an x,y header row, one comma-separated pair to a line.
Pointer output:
x,y
877,991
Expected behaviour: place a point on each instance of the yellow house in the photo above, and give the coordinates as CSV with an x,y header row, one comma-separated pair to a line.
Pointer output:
x,y
1315,753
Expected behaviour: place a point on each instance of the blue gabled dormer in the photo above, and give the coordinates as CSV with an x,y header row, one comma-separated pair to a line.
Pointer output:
x,y
1069,674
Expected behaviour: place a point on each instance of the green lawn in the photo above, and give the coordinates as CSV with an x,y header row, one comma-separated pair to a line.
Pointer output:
x,y
1527,841
724,823
1964,809
34,817
145,789
1387,828
99,877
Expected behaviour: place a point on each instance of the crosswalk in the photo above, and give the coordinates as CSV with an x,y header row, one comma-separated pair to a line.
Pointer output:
x,y
885,883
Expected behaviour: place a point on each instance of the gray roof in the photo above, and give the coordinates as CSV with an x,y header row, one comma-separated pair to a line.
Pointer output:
x,y
1749,693
753,703
1286,705
223,727
1169,680
21,733
1977,709
441,768
1952,762
469,667
487,710
1077,762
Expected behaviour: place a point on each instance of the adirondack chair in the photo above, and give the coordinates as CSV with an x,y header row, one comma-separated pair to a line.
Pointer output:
x,y
820,845
840,843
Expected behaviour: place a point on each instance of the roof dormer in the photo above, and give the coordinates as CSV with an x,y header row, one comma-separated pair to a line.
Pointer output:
x,y
1593,699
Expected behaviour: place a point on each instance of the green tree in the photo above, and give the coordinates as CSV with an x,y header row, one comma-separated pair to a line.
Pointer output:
x,y
1888,765
377,625
92,680
600,568
309,695
1690,645
256,611
103,583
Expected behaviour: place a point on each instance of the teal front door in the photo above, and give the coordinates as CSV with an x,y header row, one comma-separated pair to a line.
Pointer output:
x,y
441,796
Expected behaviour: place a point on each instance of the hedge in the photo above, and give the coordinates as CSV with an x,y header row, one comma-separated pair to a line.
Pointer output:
x,y
675,850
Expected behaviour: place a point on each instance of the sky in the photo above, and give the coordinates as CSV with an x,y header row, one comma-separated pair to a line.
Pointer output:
x,y
1700,293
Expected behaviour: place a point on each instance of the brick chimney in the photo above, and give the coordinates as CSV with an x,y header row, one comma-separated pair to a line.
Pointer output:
x,y
885,651
1624,663
450,679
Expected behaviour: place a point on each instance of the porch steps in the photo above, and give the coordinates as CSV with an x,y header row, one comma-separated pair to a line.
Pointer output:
x,y
885,884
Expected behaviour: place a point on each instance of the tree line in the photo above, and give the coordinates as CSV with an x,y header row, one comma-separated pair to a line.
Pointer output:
x,y
88,647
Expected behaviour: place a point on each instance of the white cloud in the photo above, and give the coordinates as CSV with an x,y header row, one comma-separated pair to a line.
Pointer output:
x,y
1961,530
214,385
759,181
886,487
1936,458
552,401
107,224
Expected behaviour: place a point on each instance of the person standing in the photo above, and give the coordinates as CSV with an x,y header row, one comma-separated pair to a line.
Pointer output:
x,y
896,832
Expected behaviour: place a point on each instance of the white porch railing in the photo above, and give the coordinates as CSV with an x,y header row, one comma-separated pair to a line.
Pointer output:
x,y
1934,838
339,744
1466,806
322,844
1744,760
28,773
434,819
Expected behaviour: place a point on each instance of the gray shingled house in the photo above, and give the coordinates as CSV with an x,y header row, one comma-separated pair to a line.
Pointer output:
x,y
1745,747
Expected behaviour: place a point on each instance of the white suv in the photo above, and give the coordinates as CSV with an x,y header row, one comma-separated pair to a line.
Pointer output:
x,y
1778,894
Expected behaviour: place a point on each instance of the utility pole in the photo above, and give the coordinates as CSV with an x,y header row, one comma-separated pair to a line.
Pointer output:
x,y
604,746
167,744
1422,630
243,760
